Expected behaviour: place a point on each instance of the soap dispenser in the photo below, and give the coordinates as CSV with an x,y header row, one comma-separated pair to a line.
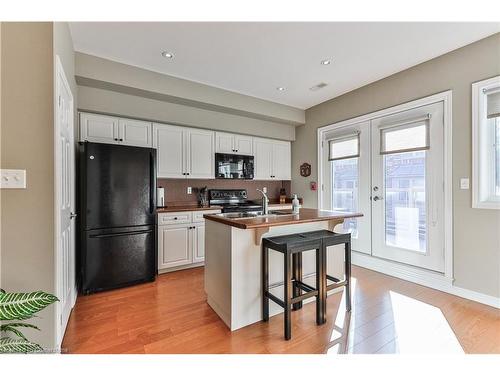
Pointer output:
x,y
295,204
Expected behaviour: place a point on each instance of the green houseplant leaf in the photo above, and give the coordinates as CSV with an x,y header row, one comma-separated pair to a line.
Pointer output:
x,y
12,327
23,305
10,345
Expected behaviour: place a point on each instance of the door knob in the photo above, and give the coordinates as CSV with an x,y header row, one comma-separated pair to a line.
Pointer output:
x,y
72,215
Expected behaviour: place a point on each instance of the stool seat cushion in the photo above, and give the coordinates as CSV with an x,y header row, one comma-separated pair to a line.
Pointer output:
x,y
290,242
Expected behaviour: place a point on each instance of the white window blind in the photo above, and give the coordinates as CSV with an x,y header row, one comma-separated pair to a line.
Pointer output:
x,y
493,105
344,147
404,137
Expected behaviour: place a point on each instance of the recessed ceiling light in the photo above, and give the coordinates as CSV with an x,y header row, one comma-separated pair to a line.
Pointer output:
x,y
167,55
326,62
280,88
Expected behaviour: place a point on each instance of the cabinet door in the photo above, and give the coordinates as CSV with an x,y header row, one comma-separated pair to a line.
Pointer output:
x,y
98,128
281,161
199,243
224,143
263,153
174,246
169,142
200,160
135,133
243,145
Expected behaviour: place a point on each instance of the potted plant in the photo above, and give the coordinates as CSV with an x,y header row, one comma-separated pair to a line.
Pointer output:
x,y
17,308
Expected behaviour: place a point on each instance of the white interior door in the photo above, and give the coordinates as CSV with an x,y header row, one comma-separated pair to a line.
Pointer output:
x,y
65,200
408,187
348,177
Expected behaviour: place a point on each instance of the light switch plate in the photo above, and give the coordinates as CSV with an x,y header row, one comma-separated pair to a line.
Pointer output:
x,y
13,179
464,183
189,190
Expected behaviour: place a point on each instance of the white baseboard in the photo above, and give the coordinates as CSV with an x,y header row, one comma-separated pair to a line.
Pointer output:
x,y
430,279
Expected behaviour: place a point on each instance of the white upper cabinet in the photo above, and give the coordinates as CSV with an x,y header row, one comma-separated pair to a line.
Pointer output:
x,y
170,150
228,143
243,144
282,161
272,159
135,133
224,143
109,129
263,167
184,152
200,153
98,128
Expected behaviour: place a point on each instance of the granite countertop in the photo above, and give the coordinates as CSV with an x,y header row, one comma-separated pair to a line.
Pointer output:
x,y
306,215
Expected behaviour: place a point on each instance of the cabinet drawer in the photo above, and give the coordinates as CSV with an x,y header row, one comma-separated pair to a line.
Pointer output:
x,y
198,215
170,218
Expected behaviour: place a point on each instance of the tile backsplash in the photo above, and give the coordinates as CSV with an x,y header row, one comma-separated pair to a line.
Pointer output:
x,y
176,189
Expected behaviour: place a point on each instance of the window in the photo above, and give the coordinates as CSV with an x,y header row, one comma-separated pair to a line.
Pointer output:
x,y
405,213
345,177
343,155
486,144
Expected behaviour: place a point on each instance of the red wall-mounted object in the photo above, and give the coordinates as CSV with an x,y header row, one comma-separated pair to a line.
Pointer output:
x,y
313,185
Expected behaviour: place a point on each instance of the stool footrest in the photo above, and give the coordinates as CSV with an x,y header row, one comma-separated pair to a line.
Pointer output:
x,y
304,286
331,278
304,296
273,298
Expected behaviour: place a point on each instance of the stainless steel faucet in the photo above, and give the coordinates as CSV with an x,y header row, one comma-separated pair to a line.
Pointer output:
x,y
265,201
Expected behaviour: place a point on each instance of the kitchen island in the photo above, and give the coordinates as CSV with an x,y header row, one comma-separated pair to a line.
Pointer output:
x,y
233,260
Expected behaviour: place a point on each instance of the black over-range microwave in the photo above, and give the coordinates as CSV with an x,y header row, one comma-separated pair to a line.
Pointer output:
x,y
234,166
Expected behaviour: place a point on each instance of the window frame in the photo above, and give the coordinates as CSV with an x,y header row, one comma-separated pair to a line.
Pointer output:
x,y
483,150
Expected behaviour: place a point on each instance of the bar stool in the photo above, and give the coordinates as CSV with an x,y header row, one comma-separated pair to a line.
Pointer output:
x,y
292,246
329,238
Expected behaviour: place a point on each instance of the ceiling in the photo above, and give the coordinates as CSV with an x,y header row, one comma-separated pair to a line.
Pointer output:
x,y
257,58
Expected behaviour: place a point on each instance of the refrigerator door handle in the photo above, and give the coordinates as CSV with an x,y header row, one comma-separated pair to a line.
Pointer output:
x,y
120,234
152,171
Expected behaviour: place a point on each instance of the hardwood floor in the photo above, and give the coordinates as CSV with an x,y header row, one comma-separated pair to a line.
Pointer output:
x,y
389,316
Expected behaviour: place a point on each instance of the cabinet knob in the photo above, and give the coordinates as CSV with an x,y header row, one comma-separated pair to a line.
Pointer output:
x,y
121,139
116,139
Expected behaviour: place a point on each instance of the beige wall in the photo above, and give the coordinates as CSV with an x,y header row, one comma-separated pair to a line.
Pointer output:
x,y
116,103
476,231
27,237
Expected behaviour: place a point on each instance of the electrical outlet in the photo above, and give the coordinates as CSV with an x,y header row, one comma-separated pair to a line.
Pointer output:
x,y
190,190
13,179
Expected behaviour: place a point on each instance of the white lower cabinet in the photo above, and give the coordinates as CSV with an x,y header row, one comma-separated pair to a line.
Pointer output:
x,y
181,239
199,243
174,245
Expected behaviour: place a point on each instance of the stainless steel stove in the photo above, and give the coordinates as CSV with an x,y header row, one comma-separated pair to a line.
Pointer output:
x,y
233,200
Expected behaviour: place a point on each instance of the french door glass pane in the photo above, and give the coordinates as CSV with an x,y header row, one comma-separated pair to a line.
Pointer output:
x,y
405,200
345,178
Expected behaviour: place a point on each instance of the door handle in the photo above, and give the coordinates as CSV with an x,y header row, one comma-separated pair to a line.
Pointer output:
x,y
377,198
72,215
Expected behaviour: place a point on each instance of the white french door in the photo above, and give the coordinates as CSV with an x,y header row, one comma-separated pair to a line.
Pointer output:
x,y
348,179
408,187
395,177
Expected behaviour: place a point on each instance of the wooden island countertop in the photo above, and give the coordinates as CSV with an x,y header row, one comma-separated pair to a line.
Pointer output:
x,y
305,215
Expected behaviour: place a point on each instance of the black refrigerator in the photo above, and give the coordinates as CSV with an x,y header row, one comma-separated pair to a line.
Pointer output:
x,y
117,205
